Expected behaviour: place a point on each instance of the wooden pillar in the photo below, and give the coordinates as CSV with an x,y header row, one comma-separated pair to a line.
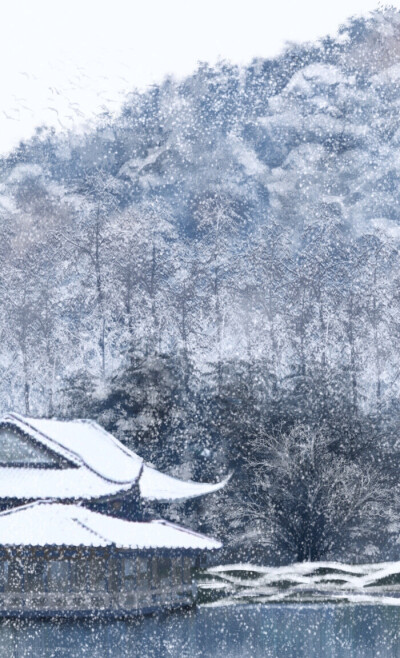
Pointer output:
x,y
150,572
107,571
182,571
45,574
136,570
4,573
86,556
69,585
22,565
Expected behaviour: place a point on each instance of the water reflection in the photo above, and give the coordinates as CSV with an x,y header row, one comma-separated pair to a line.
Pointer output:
x,y
273,631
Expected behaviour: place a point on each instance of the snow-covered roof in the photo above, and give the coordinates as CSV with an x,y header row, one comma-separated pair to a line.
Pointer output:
x,y
155,485
101,466
83,442
62,484
47,523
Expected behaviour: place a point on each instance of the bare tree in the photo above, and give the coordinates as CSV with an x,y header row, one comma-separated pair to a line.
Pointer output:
x,y
303,496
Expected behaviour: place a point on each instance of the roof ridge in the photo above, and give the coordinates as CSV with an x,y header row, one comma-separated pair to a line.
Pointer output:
x,y
88,421
114,440
22,419
35,503
189,531
93,532
74,455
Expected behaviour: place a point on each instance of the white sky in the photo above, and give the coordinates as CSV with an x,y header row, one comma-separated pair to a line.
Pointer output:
x,y
64,61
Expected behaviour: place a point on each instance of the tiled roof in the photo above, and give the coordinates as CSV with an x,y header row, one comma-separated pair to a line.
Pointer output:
x,y
47,523
101,466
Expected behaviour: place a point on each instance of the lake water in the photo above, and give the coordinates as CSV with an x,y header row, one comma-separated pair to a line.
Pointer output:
x,y
270,631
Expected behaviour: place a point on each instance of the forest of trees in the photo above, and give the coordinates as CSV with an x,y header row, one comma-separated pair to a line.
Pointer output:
x,y
216,271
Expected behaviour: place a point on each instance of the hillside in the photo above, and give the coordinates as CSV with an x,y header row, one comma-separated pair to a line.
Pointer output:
x,y
218,262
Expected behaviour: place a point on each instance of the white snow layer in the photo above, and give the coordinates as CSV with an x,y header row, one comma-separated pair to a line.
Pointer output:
x,y
61,484
305,582
48,524
323,74
390,75
87,442
103,466
159,486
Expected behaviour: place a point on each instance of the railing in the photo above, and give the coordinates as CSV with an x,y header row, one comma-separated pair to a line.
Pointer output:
x,y
94,602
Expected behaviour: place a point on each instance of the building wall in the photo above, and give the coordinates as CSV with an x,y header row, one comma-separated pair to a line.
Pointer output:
x,y
93,581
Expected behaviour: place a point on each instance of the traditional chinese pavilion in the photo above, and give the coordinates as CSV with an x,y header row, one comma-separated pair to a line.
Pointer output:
x,y
58,554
